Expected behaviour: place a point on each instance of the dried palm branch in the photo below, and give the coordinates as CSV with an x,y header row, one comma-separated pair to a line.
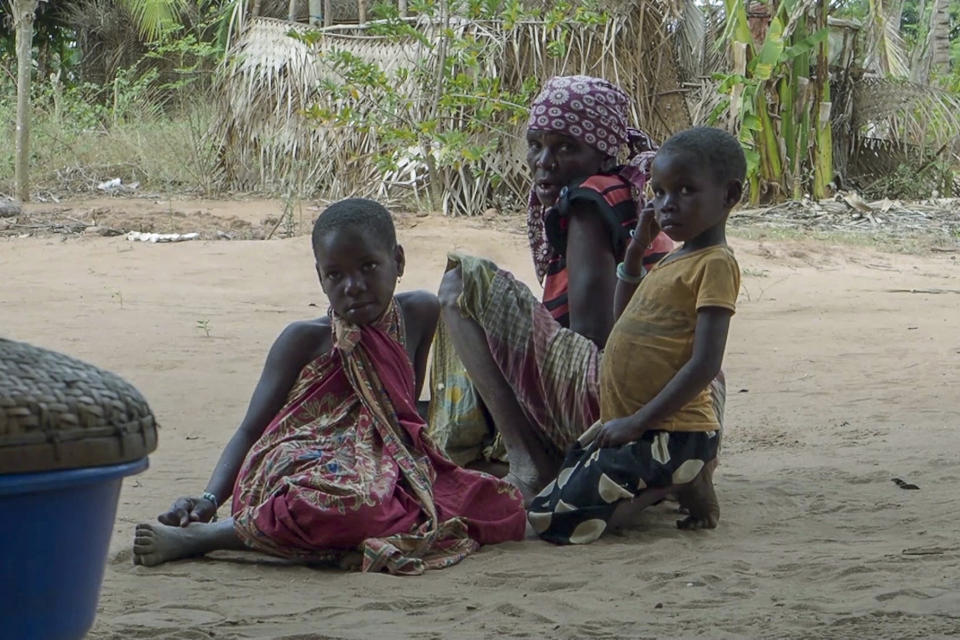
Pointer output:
x,y
905,113
689,28
887,53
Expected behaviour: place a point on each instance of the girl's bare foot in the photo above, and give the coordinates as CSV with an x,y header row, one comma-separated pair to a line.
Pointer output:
x,y
155,544
699,500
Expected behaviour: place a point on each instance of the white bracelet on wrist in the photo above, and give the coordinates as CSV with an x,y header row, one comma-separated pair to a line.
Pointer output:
x,y
629,278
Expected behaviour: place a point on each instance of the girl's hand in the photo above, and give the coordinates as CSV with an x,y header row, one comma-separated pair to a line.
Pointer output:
x,y
187,510
619,431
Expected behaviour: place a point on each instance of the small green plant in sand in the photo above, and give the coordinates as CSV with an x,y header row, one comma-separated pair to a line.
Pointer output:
x,y
204,325
118,296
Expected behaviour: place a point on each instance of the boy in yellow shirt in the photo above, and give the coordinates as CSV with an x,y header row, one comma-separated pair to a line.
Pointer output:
x,y
658,427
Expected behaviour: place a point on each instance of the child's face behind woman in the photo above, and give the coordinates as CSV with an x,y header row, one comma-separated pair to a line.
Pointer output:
x,y
358,274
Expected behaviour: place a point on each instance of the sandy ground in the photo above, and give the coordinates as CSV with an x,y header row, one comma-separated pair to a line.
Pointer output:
x,y
843,369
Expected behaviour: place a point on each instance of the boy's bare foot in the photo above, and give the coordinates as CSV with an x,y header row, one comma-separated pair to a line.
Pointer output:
x,y
699,499
155,544
628,512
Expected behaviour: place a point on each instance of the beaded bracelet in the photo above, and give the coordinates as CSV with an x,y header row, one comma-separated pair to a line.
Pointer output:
x,y
206,495
626,277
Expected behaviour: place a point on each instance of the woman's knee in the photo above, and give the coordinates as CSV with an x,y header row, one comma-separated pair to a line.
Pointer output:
x,y
450,288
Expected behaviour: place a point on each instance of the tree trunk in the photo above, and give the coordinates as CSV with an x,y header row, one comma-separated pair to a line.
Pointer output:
x,y
918,70
327,13
292,11
362,11
823,138
257,8
402,6
940,37
23,15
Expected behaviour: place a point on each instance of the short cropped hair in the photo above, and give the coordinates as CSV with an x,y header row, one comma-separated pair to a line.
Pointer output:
x,y
367,216
720,151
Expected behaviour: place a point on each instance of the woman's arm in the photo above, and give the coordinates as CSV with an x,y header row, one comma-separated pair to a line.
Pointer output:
x,y
709,342
591,272
421,310
293,349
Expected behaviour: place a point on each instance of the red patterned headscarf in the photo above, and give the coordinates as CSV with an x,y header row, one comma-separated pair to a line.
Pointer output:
x,y
593,111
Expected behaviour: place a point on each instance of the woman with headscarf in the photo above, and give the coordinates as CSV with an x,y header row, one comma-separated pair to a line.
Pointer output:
x,y
534,363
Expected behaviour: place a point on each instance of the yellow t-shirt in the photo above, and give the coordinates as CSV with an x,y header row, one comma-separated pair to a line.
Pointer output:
x,y
653,338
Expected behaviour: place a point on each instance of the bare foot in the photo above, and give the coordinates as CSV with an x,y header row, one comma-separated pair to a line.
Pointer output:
x,y
627,514
699,499
528,485
155,544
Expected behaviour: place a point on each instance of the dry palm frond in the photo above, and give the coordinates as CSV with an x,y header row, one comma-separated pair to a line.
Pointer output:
x,y
691,29
887,52
905,112
108,38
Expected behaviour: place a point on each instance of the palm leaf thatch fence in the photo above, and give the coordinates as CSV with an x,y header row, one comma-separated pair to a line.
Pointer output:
x,y
273,82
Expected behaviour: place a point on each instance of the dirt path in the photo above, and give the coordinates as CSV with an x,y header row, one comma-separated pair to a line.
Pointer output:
x,y
843,366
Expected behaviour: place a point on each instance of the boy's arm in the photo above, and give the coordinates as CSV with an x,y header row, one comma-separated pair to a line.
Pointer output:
x,y
643,234
709,342
293,349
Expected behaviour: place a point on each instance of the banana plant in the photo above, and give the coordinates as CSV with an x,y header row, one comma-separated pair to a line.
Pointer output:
x,y
774,103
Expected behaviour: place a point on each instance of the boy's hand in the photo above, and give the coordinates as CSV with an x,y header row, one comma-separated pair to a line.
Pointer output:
x,y
643,234
647,227
187,510
619,431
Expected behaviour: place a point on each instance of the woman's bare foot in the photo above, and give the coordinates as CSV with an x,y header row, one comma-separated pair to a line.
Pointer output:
x,y
699,499
155,544
529,485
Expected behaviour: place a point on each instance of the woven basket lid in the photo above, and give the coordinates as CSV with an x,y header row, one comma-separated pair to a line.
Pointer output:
x,y
57,412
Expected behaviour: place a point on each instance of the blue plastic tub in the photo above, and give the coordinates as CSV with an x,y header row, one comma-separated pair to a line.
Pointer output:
x,y
54,534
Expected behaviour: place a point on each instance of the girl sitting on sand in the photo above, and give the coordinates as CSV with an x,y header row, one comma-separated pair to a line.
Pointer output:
x,y
332,458
657,423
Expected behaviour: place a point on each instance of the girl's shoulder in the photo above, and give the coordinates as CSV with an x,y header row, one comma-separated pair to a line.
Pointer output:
x,y
300,343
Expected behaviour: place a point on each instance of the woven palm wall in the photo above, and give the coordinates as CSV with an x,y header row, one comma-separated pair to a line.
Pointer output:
x,y
271,78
